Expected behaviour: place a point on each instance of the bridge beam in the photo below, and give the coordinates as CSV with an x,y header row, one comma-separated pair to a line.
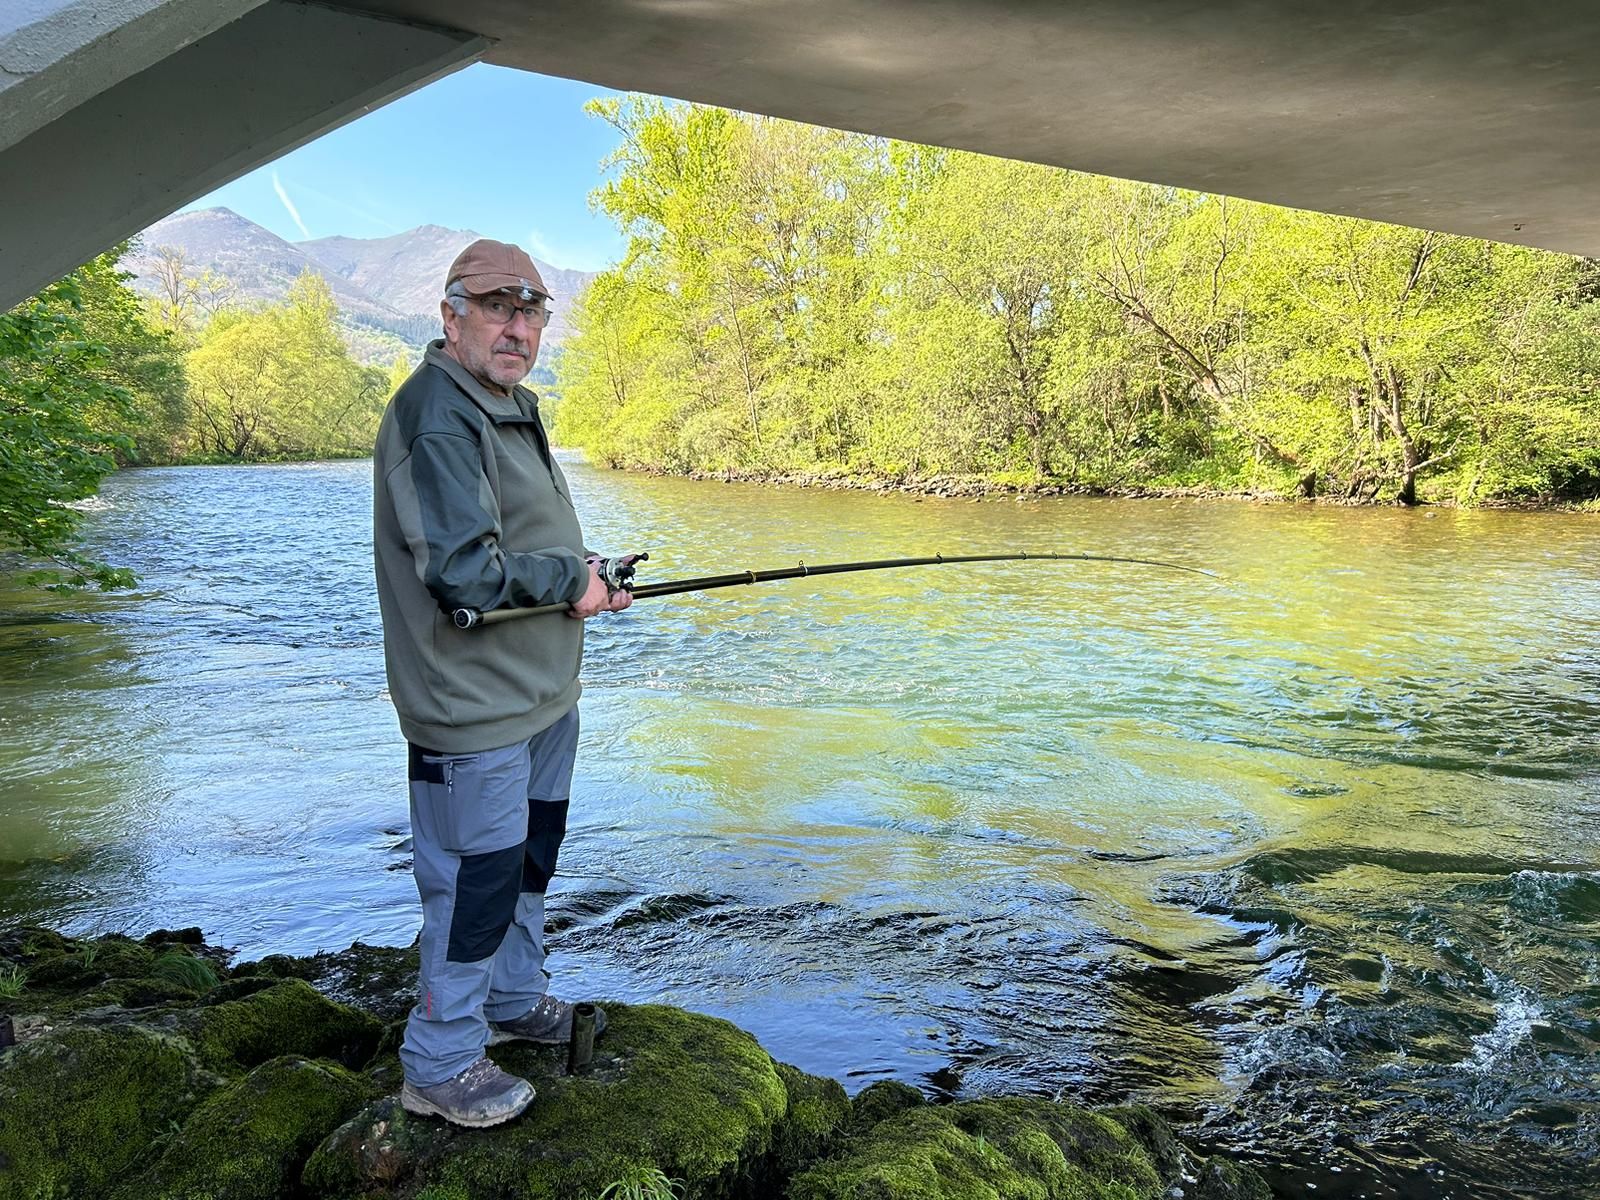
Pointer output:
x,y
90,165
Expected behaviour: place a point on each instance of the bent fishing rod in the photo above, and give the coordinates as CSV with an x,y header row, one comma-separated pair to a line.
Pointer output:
x,y
618,573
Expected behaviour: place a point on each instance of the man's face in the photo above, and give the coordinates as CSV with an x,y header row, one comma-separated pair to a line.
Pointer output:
x,y
499,353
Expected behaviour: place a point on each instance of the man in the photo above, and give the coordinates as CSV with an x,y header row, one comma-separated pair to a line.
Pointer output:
x,y
471,510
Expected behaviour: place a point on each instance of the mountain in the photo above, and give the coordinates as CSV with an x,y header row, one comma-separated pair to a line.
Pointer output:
x,y
387,289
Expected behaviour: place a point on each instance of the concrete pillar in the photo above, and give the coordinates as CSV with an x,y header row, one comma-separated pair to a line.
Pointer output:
x,y
114,160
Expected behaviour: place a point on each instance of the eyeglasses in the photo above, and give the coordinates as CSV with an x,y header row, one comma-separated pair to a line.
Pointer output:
x,y
502,309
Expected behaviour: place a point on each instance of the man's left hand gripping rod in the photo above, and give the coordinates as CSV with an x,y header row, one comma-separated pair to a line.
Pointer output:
x,y
616,573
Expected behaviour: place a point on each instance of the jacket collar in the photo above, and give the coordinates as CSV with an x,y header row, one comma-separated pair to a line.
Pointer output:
x,y
521,406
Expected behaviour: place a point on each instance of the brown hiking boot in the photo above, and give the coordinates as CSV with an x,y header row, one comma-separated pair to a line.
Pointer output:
x,y
481,1095
548,1021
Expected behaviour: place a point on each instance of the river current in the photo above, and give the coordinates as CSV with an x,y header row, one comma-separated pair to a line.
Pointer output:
x,y
1308,856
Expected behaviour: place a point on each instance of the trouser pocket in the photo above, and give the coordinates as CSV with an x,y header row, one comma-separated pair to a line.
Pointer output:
x,y
469,803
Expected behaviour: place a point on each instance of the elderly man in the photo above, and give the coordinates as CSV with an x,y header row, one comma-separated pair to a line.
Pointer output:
x,y
470,509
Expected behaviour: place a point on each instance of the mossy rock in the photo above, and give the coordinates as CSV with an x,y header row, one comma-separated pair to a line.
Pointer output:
x,y
238,988
1003,1149
131,993
691,1095
78,1106
818,1111
57,965
879,1101
381,980
1219,1179
1152,1132
189,935
288,1018
249,1140
67,977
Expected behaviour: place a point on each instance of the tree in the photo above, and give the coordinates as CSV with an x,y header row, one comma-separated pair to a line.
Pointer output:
x,y
798,298
278,383
59,392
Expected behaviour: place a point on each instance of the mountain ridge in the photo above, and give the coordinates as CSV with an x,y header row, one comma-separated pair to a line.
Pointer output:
x,y
387,289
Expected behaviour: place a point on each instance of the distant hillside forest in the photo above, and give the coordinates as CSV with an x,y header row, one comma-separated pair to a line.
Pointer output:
x,y
801,300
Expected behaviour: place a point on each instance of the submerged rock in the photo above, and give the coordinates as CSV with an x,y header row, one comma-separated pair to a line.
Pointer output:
x,y
1012,1148
150,1071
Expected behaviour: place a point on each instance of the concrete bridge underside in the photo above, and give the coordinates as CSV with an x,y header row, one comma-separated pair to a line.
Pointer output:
x,y
1478,117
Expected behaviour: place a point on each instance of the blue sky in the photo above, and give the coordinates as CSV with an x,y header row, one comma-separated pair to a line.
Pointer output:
x,y
506,153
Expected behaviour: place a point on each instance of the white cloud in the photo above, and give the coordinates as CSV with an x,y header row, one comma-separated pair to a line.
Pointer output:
x,y
365,214
277,186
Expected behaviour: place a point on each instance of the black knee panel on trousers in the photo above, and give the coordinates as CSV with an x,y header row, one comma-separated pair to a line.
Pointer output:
x,y
547,825
486,900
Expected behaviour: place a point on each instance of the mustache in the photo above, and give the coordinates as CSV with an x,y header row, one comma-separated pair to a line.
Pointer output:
x,y
510,346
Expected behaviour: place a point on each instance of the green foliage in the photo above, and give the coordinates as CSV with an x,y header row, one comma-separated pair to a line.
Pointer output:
x,y
184,969
79,369
13,981
643,1183
799,299
278,383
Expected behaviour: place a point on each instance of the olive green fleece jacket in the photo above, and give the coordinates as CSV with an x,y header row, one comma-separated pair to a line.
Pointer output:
x,y
470,509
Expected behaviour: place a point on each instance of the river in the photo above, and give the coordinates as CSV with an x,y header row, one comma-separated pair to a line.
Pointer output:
x,y
1307,856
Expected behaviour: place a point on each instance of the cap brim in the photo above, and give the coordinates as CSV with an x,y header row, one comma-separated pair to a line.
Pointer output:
x,y
482,285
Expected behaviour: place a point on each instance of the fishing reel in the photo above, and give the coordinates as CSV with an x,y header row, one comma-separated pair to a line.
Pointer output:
x,y
617,573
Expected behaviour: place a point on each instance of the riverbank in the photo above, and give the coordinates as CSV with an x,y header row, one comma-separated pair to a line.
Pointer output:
x,y
156,1068
979,487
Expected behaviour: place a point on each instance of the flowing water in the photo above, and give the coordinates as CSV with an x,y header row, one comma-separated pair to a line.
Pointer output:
x,y
1308,857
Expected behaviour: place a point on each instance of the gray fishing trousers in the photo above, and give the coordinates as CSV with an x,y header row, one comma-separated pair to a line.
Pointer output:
x,y
485,831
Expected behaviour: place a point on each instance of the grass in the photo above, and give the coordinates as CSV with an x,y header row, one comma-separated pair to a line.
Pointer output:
x,y
643,1183
12,980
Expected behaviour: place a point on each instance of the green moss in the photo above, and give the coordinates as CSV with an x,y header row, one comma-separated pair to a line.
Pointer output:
x,y
880,1101
1154,1134
694,1096
237,988
290,1017
381,980
690,1095
1006,1149
30,941
128,993
78,1106
76,965
817,1111
249,1140
1219,1179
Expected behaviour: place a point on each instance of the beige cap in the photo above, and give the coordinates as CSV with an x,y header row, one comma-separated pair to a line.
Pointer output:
x,y
489,266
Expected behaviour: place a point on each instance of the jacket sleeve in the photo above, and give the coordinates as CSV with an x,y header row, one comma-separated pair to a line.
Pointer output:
x,y
447,514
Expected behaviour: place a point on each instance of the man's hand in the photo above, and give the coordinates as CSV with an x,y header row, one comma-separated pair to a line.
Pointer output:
x,y
597,598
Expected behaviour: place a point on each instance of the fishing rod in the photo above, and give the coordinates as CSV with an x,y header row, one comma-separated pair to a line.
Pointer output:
x,y
618,575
